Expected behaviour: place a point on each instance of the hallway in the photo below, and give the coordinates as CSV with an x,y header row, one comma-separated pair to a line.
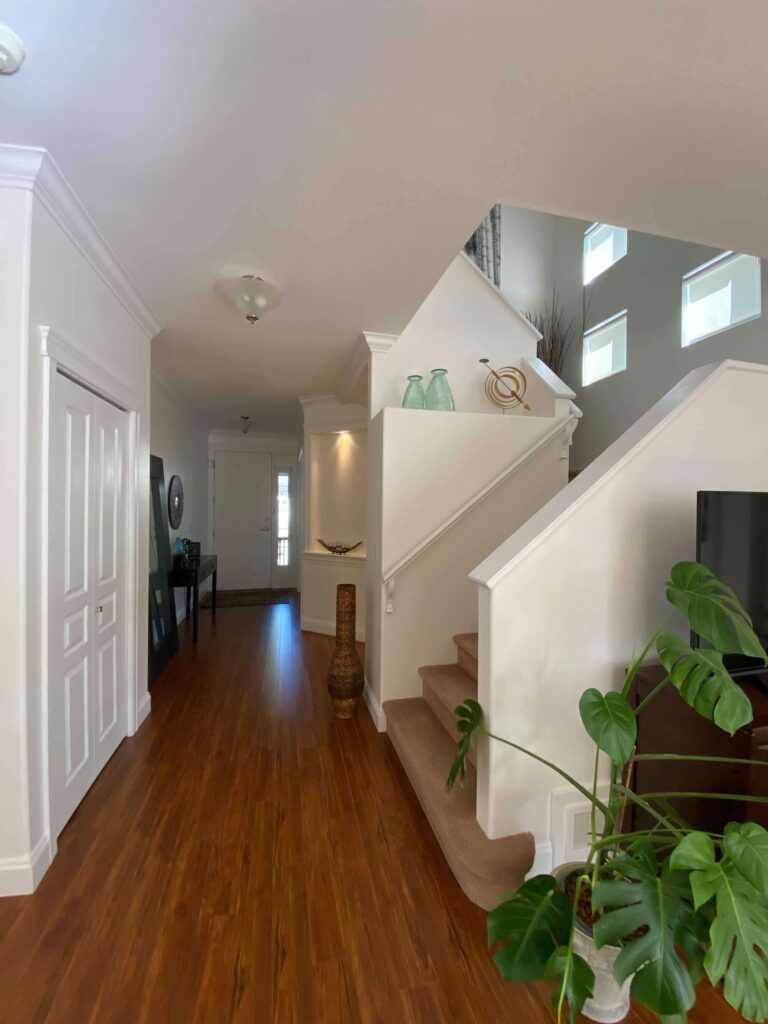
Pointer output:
x,y
246,858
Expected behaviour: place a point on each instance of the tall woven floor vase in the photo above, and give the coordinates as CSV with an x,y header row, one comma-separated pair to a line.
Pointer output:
x,y
345,676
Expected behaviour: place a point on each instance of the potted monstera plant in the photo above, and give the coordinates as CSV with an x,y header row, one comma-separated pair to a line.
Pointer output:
x,y
653,911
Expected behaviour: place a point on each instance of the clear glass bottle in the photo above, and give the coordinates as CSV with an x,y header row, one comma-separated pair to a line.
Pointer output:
x,y
439,396
414,393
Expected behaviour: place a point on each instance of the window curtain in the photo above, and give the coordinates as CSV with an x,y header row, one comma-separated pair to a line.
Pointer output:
x,y
484,247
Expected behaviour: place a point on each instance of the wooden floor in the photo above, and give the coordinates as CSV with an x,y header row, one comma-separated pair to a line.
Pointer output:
x,y
247,858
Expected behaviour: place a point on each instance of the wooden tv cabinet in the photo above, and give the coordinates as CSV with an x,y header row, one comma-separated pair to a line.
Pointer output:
x,y
668,725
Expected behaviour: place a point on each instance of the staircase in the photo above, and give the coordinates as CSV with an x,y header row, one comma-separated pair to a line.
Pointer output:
x,y
422,731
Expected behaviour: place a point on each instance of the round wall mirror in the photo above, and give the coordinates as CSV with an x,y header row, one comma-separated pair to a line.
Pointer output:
x,y
175,501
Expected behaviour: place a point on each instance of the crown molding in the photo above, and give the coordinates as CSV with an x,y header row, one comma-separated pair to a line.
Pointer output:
x,y
379,342
315,399
34,170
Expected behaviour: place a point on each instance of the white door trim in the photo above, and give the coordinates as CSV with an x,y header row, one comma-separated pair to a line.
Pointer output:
x,y
58,354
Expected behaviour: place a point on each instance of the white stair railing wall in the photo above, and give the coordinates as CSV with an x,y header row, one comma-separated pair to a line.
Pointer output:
x,y
566,598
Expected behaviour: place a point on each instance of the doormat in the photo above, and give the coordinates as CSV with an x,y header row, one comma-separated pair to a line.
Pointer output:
x,y
245,598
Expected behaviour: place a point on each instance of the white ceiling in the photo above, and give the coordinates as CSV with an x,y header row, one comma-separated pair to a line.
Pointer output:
x,y
344,149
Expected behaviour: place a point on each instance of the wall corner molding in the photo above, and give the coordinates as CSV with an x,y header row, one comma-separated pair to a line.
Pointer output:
x,y
142,711
374,708
20,876
34,170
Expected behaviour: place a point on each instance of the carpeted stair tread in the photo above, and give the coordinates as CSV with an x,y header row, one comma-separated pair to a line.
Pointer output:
x,y
444,687
466,648
485,868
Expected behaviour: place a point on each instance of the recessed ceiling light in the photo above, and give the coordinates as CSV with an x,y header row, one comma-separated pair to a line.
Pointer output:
x,y
11,51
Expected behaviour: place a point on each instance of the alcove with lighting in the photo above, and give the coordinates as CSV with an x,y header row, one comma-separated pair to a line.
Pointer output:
x,y
335,474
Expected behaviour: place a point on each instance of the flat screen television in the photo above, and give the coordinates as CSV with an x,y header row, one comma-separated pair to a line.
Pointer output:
x,y
732,541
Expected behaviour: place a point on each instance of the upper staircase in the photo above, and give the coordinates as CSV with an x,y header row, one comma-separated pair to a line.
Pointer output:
x,y
423,732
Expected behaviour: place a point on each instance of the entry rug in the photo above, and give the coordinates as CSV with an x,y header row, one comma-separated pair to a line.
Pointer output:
x,y
245,598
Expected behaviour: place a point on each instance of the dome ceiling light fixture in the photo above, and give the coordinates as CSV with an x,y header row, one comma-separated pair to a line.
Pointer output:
x,y
252,296
11,51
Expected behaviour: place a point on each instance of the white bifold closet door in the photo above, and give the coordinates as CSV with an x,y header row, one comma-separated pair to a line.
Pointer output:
x,y
87,681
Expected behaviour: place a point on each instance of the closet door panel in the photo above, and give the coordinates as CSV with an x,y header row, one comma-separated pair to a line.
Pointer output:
x,y
109,582
87,672
71,754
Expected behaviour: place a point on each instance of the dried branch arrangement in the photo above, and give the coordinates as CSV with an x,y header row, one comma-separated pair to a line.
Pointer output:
x,y
558,334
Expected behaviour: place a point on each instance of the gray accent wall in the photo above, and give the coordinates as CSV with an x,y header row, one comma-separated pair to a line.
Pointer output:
x,y
647,282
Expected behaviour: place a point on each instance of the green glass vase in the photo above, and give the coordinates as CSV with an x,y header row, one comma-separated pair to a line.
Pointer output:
x,y
439,396
414,393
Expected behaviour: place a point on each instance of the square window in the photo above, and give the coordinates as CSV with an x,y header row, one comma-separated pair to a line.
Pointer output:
x,y
720,294
605,349
604,245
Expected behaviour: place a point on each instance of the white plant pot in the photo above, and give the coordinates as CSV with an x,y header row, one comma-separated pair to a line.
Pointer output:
x,y
610,1001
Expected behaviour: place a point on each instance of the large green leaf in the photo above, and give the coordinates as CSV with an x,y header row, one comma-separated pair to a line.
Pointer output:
x,y
703,682
531,924
712,609
469,719
610,722
739,931
575,981
747,846
657,899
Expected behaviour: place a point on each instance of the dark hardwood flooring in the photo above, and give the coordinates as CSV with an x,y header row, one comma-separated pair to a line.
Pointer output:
x,y
246,858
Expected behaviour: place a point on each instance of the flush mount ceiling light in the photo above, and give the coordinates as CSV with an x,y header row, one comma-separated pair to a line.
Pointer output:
x,y
11,51
251,295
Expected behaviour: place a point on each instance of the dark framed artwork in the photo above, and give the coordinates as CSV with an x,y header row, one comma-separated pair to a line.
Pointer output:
x,y
163,632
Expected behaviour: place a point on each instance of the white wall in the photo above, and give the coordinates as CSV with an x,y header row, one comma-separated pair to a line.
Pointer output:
x,y
570,595
334,471
435,463
182,443
433,597
321,574
448,488
337,469
56,272
463,319
21,824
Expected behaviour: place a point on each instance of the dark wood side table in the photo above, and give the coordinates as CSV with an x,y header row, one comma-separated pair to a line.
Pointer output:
x,y
668,726
190,577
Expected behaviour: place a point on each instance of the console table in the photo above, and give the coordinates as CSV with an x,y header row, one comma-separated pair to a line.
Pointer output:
x,y
668,726
190,577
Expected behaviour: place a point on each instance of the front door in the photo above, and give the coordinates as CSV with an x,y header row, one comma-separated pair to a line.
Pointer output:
x,y
243,519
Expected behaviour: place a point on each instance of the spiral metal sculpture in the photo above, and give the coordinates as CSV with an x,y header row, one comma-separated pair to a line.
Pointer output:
x,y
505,388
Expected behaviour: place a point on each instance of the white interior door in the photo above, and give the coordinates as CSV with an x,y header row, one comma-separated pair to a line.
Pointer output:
x,y
110,709
86,663
243,519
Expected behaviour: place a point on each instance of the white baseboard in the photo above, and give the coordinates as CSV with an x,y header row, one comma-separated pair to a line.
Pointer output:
x,y
327,628
20,876
543,860
379,717
142,712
